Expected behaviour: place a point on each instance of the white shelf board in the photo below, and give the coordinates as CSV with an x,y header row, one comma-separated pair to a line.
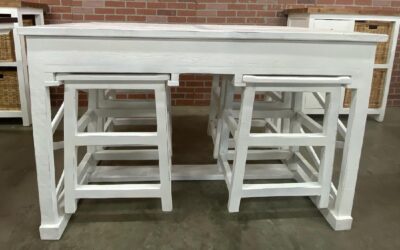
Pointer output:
x,y
10,113
8,64
343,111
382,66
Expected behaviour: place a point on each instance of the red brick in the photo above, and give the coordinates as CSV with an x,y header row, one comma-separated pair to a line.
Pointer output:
x,y
136,4
120,4
104,11
166,12
253,12
94,17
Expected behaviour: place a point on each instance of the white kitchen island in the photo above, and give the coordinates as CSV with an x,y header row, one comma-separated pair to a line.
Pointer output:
x,y
201,49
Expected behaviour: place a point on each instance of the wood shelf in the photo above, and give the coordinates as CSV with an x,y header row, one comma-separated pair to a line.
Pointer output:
x,y
8,64
381,66
22,4
342,10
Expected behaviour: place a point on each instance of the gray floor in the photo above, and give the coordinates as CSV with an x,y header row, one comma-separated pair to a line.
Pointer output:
x,y
200,219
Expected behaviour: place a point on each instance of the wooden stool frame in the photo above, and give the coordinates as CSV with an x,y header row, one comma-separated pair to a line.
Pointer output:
x,y
324,136
232,50
75,176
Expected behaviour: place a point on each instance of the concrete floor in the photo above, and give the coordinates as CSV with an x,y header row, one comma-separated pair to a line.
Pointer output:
x,y
200,219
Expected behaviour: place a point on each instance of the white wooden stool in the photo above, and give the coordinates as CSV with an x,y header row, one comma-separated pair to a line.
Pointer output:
x,y
132,111
269,100
282,145
89,130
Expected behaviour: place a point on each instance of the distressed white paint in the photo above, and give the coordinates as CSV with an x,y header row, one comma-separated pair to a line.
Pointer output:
x,y
21,61
324,136
75,135
346,23
230,50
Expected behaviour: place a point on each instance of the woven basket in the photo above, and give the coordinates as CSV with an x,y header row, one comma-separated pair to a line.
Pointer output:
x,y
382,51
378,83
7,52
28,20
9,91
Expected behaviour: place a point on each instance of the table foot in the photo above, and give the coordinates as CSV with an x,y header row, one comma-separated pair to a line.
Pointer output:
x,y
338,223
54,231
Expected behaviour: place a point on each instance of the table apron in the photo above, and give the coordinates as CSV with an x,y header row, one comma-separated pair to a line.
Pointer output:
x,y
179,56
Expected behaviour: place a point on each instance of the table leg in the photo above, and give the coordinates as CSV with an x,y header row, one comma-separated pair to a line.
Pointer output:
x,y
239,163
53,218
163,148
339,213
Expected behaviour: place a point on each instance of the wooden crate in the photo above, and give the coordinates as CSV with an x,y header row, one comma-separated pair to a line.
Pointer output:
x,y
9,91
378,86
382,51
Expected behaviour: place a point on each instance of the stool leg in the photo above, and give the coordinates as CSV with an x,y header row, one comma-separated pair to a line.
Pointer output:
x,y
70,150
168,89
285,122
93,124
328,152
213,105
295,126
224,132
225,100
239,163
163,151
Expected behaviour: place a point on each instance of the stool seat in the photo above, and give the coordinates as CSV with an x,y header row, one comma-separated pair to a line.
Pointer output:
x,y
275,79
112,77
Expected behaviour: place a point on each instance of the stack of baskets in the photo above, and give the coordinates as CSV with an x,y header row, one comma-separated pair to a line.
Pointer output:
x,y
382,53
9,89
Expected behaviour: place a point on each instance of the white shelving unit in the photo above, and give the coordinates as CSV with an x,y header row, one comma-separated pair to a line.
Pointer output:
x,y
344,19
20,63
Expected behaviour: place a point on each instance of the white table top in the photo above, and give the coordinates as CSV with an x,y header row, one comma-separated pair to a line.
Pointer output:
x,y
195,31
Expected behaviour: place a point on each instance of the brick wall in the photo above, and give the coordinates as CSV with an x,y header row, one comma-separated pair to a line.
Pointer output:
x,y
195,89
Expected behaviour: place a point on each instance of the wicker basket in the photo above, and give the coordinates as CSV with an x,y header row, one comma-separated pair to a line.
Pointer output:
x,y
378,83
28,20
9,91
7,52
382,51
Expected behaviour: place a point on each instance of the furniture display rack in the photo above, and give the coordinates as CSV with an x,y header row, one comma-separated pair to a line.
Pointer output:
x,y
14,82
360,20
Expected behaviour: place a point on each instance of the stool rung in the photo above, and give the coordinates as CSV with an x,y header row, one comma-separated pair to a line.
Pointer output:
x,y
306,166
285,189
271,126
128,104
85,119
296,139
116,138
224,165
116,112
126,155
230,121
134,121
278,113
118,191
84,166
271,113
272,154
309,123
